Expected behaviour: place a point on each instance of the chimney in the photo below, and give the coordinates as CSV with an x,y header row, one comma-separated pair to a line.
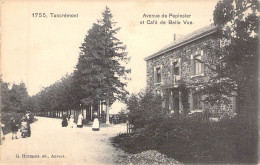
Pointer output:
x,y
174,37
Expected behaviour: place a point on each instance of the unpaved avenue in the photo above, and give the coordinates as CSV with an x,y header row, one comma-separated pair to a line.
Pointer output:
x,y
68,145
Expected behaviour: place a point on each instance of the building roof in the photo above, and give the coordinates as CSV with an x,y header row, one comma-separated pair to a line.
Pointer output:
x,y
200,33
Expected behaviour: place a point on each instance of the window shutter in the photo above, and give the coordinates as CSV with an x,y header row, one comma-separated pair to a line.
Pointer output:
x,y
179,61
162,80
191,65
202,64
171,70
155,75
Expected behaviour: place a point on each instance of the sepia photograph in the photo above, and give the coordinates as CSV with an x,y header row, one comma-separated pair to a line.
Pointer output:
x,y
129,82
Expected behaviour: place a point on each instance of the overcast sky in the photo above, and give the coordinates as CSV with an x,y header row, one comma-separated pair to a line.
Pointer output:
x,y
39,51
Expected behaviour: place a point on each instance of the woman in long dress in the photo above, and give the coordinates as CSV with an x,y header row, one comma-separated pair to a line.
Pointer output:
x,y
64,122
71,121
79,123
95,126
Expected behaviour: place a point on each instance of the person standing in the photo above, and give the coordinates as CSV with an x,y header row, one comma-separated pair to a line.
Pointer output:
x,y
28,120
24,128
71,121
64,122
2,137
95,126
14,128
79,123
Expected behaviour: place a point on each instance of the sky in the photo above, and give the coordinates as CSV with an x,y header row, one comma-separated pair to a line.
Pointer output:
x,y
40,51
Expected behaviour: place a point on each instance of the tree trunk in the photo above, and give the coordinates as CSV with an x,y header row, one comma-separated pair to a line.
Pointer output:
x,y
107,112
95,109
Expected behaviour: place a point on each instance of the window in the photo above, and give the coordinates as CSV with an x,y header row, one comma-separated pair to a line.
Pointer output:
x,y
176,69
197,65
158,75
197,101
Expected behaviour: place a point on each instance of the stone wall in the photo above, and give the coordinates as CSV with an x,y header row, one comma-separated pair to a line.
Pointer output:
x,y
184,53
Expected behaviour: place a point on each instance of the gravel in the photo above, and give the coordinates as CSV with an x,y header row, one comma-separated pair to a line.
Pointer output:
x,y
148,157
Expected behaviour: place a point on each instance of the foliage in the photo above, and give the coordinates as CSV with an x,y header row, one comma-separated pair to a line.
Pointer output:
x,y
99,72
6,120
5,98
235,65
144,109
194,140
15,99
58,96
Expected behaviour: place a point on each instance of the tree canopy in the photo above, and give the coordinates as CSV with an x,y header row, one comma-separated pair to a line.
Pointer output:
x,y
100,73
235,65
15,99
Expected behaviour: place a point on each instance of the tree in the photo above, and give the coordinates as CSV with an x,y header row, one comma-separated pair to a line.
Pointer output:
x,y
100,74
145,109
239,22
5,96
58,96
19,97
235,64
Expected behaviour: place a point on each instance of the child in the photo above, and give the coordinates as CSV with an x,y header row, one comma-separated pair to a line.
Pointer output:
x,y
14,128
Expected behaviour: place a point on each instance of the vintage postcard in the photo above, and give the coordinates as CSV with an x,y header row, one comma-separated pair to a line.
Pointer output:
x,y
129,82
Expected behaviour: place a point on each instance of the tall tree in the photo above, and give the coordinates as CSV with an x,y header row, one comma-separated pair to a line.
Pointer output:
x,y
239,22
5,96
235,64
100,73
18,98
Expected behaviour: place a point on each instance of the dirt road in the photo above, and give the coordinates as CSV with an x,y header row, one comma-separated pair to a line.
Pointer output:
x,y
52,144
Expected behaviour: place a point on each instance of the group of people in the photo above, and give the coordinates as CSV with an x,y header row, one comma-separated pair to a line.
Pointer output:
x,y
25,128
69,122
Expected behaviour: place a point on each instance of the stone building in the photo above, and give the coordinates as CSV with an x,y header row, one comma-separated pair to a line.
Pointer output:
x,y
180,61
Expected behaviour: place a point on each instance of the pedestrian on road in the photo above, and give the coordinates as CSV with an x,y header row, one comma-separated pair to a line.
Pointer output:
x,y
14,128
24,128
64,122
2,136
28,119
95,126
71,121
79,123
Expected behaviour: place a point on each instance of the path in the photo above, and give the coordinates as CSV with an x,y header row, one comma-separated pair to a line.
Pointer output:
x,y
70,145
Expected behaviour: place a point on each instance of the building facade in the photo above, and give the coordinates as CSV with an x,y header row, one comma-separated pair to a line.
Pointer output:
x,y
183,61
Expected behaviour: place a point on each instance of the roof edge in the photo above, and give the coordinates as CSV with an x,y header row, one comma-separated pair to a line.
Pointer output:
x,y
181,44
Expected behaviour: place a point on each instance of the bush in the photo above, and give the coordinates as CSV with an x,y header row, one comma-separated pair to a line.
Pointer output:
x,y
145,109
189,138
195,140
